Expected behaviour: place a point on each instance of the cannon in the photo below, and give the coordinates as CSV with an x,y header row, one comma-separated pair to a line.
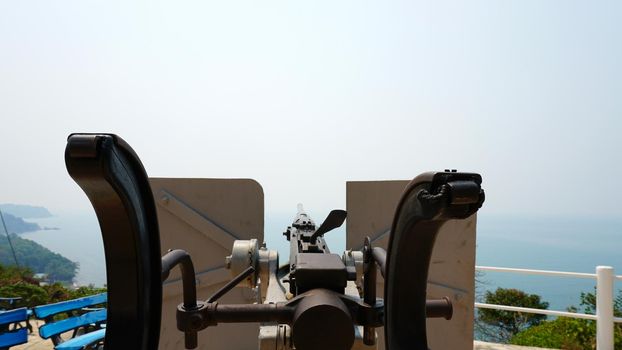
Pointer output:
x,y
318,300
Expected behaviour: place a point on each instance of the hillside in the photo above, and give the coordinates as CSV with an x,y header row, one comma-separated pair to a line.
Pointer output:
x,y
37,258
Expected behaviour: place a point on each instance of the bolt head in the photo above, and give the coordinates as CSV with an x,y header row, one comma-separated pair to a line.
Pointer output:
x,y
228,262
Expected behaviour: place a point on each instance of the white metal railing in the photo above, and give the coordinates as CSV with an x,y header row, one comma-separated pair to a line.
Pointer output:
x,y
604,300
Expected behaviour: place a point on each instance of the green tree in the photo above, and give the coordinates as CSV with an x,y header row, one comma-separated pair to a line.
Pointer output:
x,y
19,282
561,333
501,326
32,295
12,274
85,291
588,301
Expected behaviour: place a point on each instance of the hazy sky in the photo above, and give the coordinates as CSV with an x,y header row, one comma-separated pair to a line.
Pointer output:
x,y
305,95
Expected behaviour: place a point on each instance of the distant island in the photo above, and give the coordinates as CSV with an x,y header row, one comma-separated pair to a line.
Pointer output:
x,y
14,215
25,211
17,225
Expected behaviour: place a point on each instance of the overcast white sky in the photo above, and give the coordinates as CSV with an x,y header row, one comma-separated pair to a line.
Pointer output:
x,y
305,95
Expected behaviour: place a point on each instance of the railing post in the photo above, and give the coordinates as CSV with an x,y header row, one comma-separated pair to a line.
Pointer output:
x,y
604,307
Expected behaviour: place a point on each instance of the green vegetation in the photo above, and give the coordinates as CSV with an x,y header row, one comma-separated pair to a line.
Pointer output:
x,y
19,282
37,258
501,326
571,333
535,330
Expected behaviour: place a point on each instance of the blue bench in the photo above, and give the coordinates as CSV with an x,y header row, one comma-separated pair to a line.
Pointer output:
x,y
84,320
83,341
11,330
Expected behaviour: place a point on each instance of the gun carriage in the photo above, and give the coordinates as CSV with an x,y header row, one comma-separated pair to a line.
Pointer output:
x,y
318,300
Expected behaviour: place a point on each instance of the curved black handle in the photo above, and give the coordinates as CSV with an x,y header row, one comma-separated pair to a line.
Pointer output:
x,y
113,178
428,201
180,257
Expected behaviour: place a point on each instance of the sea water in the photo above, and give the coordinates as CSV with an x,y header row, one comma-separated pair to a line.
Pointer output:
x,y
562,244
77,237
553,243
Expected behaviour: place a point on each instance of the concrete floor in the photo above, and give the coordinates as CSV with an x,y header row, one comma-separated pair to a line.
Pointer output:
x,y
480,345
36,343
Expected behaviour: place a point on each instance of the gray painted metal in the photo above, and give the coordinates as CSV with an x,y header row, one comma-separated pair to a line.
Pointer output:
x,y
204,217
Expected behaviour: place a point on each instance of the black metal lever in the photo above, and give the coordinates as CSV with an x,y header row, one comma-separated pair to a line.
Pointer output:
x,y
182,258
189,313
334,219
231,284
